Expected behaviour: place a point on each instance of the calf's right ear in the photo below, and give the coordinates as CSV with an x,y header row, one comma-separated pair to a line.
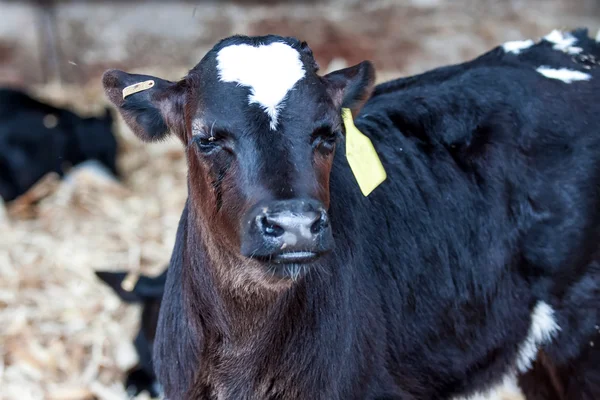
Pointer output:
x,y
145,288
114,280
151,113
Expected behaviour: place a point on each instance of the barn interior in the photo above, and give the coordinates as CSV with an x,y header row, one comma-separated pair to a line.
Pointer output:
x,y
64,334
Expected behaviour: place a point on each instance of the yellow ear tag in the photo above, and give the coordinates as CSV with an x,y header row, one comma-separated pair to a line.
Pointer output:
x,y
362,157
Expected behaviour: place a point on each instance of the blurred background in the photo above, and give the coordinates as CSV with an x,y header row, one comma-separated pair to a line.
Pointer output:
x,y
64,334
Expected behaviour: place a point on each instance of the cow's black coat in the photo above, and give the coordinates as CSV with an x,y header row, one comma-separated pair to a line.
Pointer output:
x,y
37,138
491,206
148,291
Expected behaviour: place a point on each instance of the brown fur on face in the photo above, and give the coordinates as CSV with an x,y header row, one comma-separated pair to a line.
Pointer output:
x,y
220,229
254,165
221,300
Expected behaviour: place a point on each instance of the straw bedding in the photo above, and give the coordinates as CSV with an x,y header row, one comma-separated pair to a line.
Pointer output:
x,y
63,334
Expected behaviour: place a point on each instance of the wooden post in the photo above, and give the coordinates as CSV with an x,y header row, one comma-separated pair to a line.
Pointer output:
x,y
49,41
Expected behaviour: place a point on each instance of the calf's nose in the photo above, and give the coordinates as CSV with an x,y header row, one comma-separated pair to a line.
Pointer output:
x,y
294,228
287,226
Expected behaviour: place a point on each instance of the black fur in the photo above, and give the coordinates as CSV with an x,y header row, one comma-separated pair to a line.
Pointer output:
x,y
29,149
491,206
144,112
147,116
148,291
354,93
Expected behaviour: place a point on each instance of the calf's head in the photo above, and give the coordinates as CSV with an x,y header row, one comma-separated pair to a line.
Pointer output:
x,y
260,127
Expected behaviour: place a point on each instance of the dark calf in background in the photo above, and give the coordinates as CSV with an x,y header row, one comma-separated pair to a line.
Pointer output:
x,y
148,291
37,138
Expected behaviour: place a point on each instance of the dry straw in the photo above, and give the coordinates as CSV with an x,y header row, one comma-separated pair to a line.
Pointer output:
x,y
63,334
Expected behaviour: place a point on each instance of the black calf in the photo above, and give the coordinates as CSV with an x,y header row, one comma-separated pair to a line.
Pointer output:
x,y
148,291
37,138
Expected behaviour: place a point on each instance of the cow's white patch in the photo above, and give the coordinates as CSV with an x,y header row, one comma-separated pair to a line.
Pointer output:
x,y
507,389
542,330
598,36
517,46
564,74
561,40
270,71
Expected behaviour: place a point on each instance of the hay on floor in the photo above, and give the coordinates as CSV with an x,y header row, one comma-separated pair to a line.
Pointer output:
x,y
64,334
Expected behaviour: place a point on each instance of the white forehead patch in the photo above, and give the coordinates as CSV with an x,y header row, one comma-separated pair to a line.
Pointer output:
x,y
564,74
270,71
517,46
543,327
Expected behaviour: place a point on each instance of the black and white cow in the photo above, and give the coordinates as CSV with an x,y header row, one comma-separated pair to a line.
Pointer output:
x,y
37,138
475,263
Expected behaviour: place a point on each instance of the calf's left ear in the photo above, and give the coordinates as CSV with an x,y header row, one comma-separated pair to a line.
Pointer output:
x,y
152,112
351,87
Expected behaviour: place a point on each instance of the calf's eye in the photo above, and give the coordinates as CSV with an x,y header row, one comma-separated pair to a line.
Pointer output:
x,y
324,139
210,141
206,144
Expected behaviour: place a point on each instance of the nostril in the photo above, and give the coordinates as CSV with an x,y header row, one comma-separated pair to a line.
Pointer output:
x,y
270,228
320,224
